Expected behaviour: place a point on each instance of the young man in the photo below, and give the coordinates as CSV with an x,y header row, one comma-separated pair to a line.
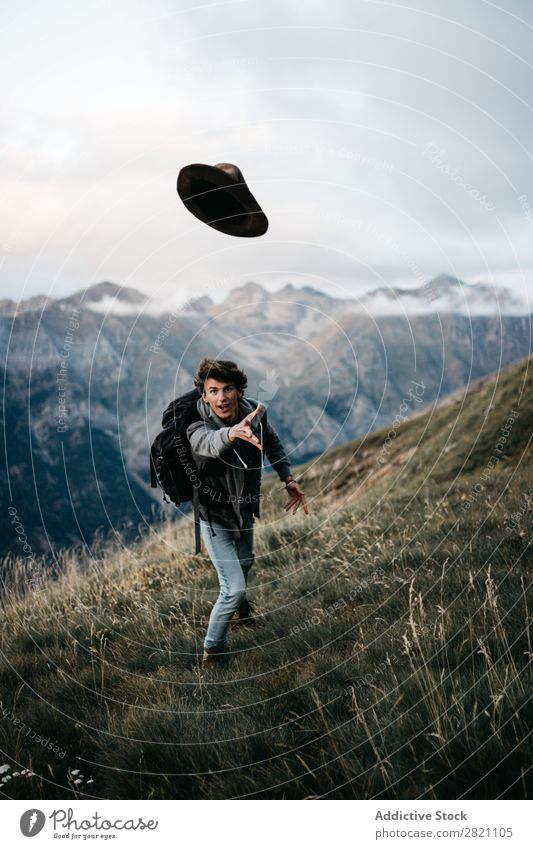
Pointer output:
x,y
227,445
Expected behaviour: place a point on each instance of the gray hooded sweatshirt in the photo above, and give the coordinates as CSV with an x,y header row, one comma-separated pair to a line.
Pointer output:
x,y
233,468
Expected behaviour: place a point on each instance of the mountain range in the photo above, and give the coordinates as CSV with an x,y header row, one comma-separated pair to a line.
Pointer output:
x,y
86,378
444,294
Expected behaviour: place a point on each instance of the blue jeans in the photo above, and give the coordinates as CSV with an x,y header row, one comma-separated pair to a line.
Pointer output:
x,y
232,558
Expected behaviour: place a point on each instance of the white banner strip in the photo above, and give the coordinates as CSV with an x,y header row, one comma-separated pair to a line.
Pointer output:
x,y
309,824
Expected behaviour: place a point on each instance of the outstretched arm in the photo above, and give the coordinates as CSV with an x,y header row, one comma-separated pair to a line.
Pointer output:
x,y
207,442
275,451
280,462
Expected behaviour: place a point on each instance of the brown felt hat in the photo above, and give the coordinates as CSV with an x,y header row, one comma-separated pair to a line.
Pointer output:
x,y
218,196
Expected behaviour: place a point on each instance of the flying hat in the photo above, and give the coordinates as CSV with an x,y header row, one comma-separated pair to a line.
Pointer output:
x,y
218,196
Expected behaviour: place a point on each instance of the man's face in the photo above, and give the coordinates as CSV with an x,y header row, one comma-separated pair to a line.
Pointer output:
x,y
223,398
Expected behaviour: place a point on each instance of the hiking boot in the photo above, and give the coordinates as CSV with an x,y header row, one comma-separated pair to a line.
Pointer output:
x,y
244,615
215,657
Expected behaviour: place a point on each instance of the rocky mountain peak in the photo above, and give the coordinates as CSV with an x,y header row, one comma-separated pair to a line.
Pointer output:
x,y
8,307
112,290
201,304
110,298
247,294
444,283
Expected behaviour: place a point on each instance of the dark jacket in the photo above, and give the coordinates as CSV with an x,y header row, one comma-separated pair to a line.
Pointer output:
x,y
232,467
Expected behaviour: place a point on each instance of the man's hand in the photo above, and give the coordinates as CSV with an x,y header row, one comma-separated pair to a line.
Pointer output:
x,y
243,430
297,497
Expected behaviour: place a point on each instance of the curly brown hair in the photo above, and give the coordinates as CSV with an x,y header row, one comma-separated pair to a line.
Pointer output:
x,y
224,370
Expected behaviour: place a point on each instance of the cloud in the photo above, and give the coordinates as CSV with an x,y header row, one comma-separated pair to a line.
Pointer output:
x,y
328,109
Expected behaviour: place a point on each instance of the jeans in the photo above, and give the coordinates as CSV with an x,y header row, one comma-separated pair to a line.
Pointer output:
x,y
232,559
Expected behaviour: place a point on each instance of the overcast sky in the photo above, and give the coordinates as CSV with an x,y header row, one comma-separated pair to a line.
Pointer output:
x,y
385,142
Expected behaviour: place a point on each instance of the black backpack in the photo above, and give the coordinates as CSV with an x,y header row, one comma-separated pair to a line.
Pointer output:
x,y
171,462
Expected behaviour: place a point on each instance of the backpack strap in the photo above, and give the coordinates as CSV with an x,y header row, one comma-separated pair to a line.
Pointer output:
x,y
153,476
197,535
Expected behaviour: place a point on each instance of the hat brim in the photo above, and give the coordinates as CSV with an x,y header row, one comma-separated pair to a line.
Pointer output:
x,y
213,197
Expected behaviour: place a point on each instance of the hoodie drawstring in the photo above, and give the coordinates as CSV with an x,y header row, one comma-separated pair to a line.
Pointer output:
x,y
240,458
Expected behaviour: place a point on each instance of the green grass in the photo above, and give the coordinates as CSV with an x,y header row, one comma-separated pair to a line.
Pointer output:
x,y
393,658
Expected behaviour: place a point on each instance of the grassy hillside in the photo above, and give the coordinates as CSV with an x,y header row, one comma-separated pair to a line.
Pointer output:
x,y
393,658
